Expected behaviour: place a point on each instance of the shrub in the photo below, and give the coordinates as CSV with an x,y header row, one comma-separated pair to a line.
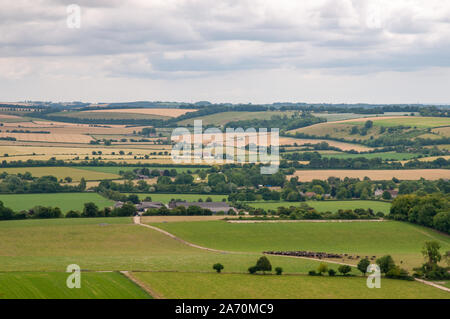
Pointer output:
x,y
312,273
344,269
331,272
279,270
73,214
322,268
398,273
252,269
218,267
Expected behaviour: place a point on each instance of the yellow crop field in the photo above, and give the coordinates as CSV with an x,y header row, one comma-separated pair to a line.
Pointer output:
x,y
61,172
37,137
7,116
73,128
157,111
382,174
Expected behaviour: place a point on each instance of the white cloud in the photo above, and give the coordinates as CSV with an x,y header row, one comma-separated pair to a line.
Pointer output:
x,y
174,41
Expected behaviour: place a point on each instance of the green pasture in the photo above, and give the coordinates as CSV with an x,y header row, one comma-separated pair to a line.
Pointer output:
x,y
401,240
117,169
384,156
65,201
423,122
328,205
166,198
114,244
241,286
52,285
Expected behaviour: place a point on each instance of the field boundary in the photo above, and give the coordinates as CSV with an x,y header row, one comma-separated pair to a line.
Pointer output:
x,y
307,221
137,221
432,284
141,285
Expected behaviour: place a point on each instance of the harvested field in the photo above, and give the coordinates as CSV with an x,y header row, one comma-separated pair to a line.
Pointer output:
x,y
442,131
7,116
405,174
170,112
61,172
282,141
61,138
74,128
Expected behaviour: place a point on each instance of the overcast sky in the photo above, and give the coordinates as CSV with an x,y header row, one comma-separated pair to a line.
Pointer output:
x,y
374,51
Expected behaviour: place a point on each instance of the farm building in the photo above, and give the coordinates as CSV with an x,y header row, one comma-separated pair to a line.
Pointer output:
x,y
143,206
215,207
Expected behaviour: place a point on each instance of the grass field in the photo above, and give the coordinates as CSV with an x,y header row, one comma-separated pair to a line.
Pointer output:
x,y
331,206
377,175
65,201
403,241
171,112
114,244
165,198
385,155
225,117
61,172
240,286
52,285
117,169
421,122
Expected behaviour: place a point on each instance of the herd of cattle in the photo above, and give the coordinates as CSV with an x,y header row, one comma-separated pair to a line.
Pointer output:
x,y
312,254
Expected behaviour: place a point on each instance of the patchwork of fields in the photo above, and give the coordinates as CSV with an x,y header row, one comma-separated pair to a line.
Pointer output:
x,y
34,253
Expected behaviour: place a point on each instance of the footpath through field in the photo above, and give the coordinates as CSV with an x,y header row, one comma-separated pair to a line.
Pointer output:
x,y
137,220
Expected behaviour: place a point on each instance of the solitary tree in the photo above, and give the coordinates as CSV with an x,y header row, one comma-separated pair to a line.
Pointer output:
x,y
363,264
279,270
218,267
431,252
263,264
